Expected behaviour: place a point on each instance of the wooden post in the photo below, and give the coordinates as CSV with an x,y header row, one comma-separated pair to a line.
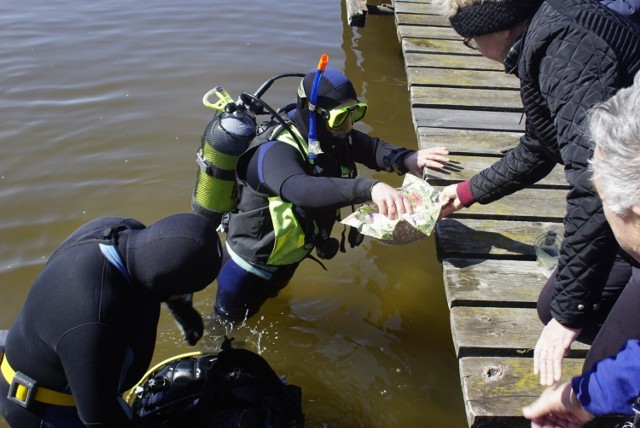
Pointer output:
x,y
356,12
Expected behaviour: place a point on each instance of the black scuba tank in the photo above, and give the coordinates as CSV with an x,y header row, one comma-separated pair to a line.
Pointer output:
x,y
226,137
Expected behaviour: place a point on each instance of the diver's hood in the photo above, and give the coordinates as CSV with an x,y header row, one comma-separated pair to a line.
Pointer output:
x,y
334,89
179,254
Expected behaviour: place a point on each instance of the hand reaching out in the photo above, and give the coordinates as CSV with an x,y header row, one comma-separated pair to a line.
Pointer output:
x,y
449,200
553,345
558,406
433,157
187,317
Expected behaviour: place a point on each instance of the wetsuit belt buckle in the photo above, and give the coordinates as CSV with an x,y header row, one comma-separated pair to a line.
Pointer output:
x,y
19,383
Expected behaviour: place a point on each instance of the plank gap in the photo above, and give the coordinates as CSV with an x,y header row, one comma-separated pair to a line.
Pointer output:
x,y
457,107
493,303
465,352
509,217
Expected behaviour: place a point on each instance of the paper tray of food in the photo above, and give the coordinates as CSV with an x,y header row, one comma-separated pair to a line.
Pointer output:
x,y
409,227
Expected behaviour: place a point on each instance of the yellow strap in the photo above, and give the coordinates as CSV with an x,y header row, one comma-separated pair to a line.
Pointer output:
x,y
43,395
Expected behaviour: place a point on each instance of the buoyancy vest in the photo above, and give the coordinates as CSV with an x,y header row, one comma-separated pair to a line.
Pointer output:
x,y
265,229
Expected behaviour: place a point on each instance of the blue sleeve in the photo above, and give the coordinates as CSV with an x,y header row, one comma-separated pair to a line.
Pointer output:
x,y
627,8
613,384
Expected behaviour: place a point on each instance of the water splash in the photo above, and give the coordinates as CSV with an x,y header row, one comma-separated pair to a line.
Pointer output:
x,y
248,334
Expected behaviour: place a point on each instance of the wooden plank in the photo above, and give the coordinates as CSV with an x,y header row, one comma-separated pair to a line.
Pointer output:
x,y
459,62
466,98
417,8
439,46
491,331
423,20
496,389
549,203
464,238
461,78
468,119
485,143
445,33
463,167
498,283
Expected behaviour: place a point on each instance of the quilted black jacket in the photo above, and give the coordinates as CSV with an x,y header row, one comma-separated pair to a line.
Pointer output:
x,y
574,54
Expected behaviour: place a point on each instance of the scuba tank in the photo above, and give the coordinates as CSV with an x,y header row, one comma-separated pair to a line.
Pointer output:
x,y
226,137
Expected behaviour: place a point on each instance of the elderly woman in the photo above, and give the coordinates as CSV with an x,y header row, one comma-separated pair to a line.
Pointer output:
x,y
569,55
610,385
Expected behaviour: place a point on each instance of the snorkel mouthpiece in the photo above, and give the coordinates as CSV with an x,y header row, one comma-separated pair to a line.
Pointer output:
x,y
314,144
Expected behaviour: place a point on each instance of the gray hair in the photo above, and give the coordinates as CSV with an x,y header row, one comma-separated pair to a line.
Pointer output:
x,y
449,8
614,127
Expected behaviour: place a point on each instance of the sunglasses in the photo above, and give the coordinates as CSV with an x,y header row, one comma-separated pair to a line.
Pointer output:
x,y
338,116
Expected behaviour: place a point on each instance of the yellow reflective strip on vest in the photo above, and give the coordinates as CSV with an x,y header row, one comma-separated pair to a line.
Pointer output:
x,y
43,395
283,135
289,238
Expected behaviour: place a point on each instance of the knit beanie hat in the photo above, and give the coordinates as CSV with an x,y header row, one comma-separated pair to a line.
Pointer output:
x,y
478,17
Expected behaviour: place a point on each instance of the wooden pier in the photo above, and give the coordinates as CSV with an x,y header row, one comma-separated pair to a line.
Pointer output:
x,y
467,102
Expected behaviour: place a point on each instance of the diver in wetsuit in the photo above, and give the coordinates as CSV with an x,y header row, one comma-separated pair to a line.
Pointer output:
x,y
289,200
88,328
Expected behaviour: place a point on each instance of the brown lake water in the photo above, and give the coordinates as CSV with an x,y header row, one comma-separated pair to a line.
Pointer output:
x,y
101,114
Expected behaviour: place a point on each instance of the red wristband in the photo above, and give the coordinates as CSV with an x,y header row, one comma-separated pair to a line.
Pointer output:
x,y
464,194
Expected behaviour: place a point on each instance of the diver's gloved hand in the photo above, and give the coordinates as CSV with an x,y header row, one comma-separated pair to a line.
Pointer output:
x,y
187,317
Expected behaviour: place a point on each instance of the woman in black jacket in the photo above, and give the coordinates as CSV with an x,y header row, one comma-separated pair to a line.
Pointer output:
x,y
568,55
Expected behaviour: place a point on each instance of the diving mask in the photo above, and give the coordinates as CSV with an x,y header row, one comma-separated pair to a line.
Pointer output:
x,y
336,117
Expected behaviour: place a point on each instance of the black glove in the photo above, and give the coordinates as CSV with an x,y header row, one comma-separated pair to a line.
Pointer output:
x,y
187,317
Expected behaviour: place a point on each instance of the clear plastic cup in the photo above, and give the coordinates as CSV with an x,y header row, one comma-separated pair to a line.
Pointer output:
x,y
547,248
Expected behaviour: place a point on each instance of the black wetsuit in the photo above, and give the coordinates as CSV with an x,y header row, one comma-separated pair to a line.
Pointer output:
x,y
287,173
88,330
278,169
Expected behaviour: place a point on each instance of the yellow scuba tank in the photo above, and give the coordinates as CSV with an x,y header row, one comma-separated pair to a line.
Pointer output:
x,y
226,137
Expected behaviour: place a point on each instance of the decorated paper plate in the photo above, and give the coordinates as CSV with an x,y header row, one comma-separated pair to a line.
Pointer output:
x,y
409,227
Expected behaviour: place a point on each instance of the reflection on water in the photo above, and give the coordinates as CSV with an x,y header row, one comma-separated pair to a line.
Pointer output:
x,y
101,115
